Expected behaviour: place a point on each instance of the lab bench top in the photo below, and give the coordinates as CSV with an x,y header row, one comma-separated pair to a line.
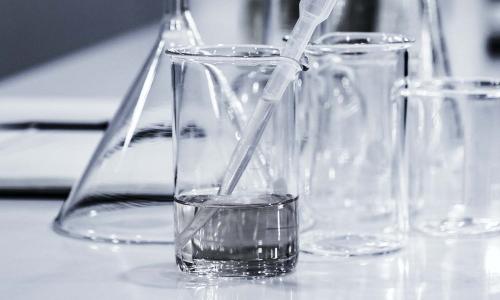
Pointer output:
x,y
36,263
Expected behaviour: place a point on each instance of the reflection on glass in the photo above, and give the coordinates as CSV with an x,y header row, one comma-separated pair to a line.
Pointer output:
x,y
453,269
163,276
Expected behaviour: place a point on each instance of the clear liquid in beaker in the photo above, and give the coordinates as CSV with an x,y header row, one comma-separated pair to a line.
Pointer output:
x,y
247,236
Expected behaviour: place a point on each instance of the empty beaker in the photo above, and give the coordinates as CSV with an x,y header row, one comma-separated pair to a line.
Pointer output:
x,y
453,155
349,157
253,231
126,192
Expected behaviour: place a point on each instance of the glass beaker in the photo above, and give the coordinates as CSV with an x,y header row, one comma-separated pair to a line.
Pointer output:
x,y
349,160
453,155
127,188
254,230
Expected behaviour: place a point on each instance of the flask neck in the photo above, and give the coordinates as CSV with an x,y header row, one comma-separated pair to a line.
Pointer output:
x,y
175,7
178,27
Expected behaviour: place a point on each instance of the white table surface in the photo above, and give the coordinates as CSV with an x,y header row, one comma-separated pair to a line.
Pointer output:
x,y
36,263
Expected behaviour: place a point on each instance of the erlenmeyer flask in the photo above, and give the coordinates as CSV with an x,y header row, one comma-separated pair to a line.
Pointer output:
x,y
125,193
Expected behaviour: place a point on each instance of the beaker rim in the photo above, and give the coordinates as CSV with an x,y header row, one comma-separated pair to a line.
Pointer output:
x,y
483,88
356,42
232,52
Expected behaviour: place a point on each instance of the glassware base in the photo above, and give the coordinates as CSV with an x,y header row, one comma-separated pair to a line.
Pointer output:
x,y
125,223
233,268
331,244
466,227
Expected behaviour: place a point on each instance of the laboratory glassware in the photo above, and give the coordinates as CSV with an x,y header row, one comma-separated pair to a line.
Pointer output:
x,y
420,20
430,58
350,163
253,231
393,16
452,152
370,16
433,55
126,192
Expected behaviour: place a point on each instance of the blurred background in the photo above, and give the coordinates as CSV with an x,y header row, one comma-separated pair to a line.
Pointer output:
x,y
65,66
34,32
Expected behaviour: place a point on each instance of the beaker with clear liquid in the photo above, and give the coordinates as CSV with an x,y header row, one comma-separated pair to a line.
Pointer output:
x,y
253,231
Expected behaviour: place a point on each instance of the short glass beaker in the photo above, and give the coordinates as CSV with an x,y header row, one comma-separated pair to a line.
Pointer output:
x,y
253,231
350,164
453,155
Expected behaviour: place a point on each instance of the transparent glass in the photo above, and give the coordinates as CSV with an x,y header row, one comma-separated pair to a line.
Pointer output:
x,y
394,16
418,19
126,191
252,232
349,154
452,152
431,58
391,16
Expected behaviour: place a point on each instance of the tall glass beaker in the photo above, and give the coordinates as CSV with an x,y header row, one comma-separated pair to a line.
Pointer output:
x,y
253,231
126,191
350,164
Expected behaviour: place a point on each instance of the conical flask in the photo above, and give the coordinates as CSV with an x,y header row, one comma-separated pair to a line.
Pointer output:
x,y
125,193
